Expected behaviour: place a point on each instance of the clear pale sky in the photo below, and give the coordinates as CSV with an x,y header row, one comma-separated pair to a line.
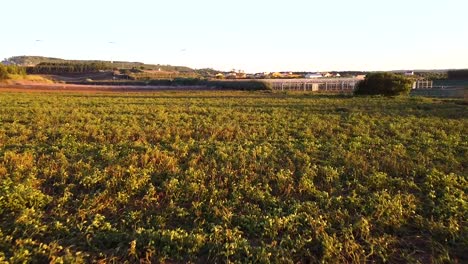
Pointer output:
x,y
254,36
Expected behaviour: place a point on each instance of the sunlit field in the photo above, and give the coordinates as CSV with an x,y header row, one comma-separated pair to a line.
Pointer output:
x,y
232,177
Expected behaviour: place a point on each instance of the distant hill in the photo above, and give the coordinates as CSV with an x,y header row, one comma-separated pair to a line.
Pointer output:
x,y
31,61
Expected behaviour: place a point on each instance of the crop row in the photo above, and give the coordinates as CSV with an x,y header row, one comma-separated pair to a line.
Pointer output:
x,y
232,177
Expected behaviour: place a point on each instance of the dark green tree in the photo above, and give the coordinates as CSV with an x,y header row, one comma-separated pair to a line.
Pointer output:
x,y
384,83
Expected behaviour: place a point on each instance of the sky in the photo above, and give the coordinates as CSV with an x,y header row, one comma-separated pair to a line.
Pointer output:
x,y
254,36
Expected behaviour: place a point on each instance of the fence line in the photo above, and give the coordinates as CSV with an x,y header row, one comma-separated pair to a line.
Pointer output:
x,y
423,84
325,85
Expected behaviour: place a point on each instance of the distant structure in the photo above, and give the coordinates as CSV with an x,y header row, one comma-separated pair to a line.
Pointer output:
x,y
313,75
231,75
261,75
276,75
339,85
423,84
409,73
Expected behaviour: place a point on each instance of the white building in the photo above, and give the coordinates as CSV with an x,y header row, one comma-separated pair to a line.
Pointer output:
x,y
261,75
313,75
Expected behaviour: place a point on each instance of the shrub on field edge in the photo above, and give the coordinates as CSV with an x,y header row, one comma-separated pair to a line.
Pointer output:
x,y
225,85
384,83
5,71
240,85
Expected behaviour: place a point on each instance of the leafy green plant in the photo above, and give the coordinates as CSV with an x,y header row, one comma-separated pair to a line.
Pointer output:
x,y
384,83
231,176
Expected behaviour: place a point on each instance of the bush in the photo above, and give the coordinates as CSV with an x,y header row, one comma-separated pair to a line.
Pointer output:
x,y
240,85
384,83
224,85
3,73
13,69
6,70
187,81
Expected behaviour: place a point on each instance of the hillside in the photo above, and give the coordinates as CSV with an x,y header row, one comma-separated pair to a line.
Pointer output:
x,y
35,60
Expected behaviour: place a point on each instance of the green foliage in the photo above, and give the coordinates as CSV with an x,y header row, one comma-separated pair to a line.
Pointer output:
x,y
384,83
10,69
231,177
240,85
69,67
3,72
188,82
432,75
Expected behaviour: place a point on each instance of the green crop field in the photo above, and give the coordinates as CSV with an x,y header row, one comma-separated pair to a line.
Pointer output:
x,y
242,177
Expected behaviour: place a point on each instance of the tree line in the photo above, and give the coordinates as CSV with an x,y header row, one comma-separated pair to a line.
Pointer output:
x,y
68,67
